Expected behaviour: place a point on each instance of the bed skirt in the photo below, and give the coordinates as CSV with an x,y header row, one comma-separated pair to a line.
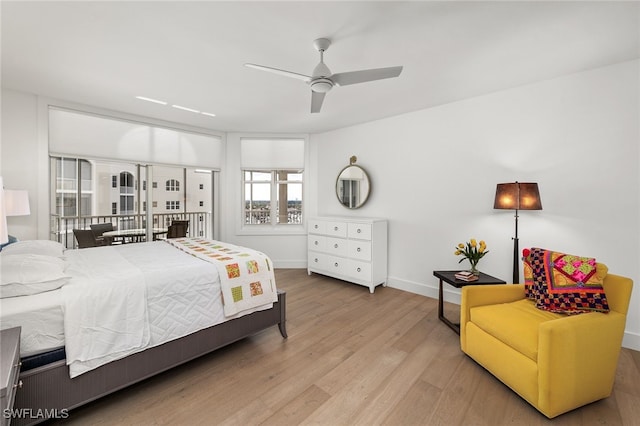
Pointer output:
x,y
48,391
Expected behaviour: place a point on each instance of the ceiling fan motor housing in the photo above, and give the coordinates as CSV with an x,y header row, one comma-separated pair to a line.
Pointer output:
x,y
321,85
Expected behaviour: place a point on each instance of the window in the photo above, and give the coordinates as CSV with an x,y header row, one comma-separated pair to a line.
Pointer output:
x,y
86,191
72,183
127,193
173,185
272,197
172,205
272,179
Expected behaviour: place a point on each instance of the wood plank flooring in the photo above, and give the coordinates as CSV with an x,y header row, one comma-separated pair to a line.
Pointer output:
x,y
352,358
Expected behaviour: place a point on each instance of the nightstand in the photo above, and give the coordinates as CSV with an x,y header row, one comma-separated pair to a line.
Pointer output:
x,y
9,371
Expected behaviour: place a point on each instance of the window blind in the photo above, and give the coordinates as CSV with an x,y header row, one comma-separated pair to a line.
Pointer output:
x,y
272,154
78,134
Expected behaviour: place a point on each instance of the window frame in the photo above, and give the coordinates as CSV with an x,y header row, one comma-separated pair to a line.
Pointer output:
x,y
274,182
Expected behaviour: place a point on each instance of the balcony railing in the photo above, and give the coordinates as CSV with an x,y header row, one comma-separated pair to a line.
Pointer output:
x,y
258,217
62,226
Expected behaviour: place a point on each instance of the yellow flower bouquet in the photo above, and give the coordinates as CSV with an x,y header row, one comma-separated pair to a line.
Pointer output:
x,y
472,251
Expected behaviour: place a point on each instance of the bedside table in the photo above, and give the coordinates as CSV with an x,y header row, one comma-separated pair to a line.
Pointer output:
x,y
449,278
9,370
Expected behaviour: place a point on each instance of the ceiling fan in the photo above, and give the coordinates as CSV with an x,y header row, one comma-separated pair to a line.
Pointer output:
x,y
322,80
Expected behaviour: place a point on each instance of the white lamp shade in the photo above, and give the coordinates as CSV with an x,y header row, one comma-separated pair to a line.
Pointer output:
x,y
16,202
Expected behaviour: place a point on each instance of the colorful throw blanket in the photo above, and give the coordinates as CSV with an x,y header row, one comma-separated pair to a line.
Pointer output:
x,y
246,275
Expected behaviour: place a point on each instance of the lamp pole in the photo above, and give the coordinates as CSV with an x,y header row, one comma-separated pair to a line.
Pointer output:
x,y
516,270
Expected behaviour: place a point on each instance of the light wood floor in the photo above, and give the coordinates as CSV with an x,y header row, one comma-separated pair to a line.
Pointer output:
x,y
352,358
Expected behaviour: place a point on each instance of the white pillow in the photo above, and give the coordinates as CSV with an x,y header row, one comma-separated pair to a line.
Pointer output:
x,y
23,275
43,247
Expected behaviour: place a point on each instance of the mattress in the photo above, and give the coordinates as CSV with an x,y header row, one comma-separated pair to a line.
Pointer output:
x,y
41,319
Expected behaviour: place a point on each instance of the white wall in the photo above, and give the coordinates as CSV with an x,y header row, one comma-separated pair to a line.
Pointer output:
x,y
434,174
21,164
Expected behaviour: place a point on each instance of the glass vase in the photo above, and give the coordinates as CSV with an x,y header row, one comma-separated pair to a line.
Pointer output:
x,y
474,269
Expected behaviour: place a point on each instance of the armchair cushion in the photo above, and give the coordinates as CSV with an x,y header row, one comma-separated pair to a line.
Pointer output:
x,y
515,324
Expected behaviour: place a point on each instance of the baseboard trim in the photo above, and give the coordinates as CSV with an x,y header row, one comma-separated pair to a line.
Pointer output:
x,y
631,341
451,294
289,264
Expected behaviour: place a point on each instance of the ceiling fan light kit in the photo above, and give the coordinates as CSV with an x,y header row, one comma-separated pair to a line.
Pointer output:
x,y
322,80
321,85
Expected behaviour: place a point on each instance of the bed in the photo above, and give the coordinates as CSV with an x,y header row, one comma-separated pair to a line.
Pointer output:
x,y
72,345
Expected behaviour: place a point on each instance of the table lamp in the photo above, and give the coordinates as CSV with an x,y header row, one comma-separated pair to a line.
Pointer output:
x,y
15,203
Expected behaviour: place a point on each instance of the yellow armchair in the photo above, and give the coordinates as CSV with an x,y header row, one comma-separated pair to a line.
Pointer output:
x,y
555,362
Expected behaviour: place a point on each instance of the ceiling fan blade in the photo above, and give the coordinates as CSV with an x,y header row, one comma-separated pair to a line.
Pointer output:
x,y
354,77
302,77
316,101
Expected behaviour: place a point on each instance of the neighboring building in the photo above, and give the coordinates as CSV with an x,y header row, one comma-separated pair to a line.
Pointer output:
x,y
120,189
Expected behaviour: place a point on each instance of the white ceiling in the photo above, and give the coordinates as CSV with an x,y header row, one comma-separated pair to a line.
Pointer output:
x,y
192,54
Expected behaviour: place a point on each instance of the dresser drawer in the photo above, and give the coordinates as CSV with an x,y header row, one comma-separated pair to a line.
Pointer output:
x,y
360,250
317,226
360,231
317,261
336,229
317,243
359,270
336,246
337,265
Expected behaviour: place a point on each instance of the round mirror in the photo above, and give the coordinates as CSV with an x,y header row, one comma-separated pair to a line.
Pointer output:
x,y
352,186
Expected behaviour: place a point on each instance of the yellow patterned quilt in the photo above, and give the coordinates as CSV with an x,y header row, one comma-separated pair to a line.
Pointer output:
x,y
246,275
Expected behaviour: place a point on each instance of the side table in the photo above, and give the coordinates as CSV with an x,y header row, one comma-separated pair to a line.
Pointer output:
x,y
449,278
9,371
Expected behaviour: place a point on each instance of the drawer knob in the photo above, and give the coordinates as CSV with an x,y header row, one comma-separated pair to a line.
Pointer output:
x,y
335,228
18,385
359,270
359,230
358,250
336,264
315,260
315,242
315,226
335,245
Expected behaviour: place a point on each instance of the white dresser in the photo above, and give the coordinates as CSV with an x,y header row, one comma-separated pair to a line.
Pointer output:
x,y
351,249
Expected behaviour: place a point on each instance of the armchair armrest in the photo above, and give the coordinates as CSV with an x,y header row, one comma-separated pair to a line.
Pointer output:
x,y
578,355
487,294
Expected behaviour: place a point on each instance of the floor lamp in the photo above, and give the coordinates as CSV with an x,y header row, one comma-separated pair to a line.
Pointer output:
x,y
517,196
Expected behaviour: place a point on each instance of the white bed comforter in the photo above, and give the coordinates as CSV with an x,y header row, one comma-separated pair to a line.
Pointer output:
x,y
124,299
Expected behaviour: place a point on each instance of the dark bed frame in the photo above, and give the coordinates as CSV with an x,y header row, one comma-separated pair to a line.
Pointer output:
x,y
48,391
